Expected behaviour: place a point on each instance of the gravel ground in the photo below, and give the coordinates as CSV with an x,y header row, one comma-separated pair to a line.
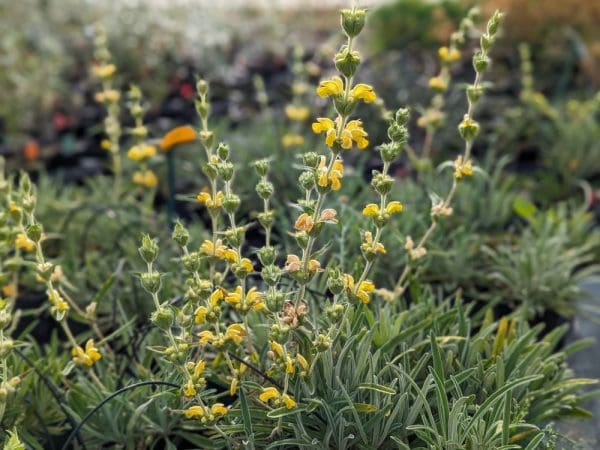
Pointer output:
x,y
586,364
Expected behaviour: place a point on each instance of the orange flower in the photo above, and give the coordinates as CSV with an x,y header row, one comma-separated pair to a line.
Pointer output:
x,y
176,136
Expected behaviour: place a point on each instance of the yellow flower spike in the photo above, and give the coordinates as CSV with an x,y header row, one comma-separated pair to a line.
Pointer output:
x,y
394,207
195,411
330,88
189,390
269,393
363,92
22,242
297,113
304,223
218,409
288,401
176,136
371,210
206,337
233,386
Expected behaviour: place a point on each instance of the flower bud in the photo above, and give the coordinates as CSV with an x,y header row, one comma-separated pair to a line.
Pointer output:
x,y
494,23
334,312
202,87
266,218
231,203
267,255
382,183
207,138
223,150
163,317
335,281
180,234
397,133
310,159
307,180
322,342
474,93
480,62
262,167
468,128
279,333
6,347
151,282
225,170
192,261
390,151
271,274
301,238
149,249
347,61
353,21
265,189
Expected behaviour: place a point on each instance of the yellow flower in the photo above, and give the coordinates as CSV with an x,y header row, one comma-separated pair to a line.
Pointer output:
x,y
304,223
289,366
199,368
108,96
189,390
246,265
394,207
215,297
354,132
235,332
335,175
302,361
297,113
218,409
141,152
363,92
438,84
207,200
228,254
277,348
86,357
371,247
194,411
361,291
22,242
9,290
233,386
104,70
255,300
178,135
105,145
330,88
462,168
288,401
206,336
327,126
209,249
292,140
145,178
314,265
269,393
200,315
448,55
371,210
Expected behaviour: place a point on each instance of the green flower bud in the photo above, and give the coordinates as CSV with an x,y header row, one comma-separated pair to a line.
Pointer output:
x,y
265,189
335,281
44,270
180,234
279,333
223,150
480,62
266,218
225,170
402,115
202,108
6,347
267,255
390,151
34,232
307,180
16,213
474,93
262,167
310,159
301,238
344,107
486,42
28,203
207,138
234,236
151,282
469,129
271,274
322,342
192,261
163,317
202,87
334,312
382,183
347,61
210,170
353,21
494,23
397,133
231,203
149,249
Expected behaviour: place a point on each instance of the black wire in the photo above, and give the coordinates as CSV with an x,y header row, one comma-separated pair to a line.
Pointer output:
x,y
109,398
